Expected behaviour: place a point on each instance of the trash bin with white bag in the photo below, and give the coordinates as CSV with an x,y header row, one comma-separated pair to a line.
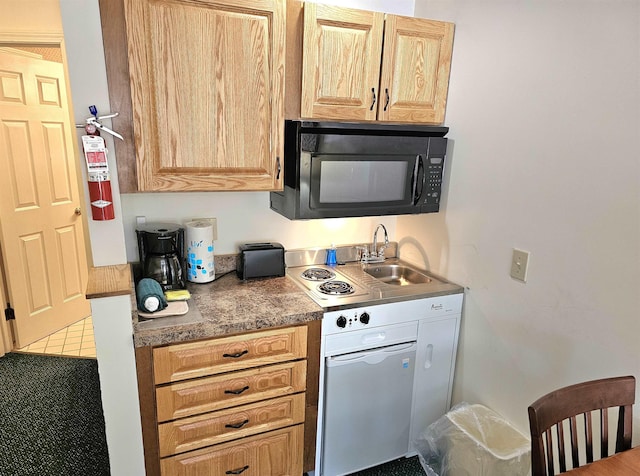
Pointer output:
x,y
473,440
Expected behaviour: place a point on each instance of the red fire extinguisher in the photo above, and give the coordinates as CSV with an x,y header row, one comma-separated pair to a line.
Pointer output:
x,y
100,196
95,154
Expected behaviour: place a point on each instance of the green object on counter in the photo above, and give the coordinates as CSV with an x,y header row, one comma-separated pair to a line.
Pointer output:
x,y
149,296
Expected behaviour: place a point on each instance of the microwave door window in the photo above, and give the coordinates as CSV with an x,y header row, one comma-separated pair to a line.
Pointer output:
x,y
366,181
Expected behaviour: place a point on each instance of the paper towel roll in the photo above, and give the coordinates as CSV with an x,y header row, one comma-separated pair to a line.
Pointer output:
x,y
199,236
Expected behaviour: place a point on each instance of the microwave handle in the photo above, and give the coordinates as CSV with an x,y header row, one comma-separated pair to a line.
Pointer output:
x,y
417,194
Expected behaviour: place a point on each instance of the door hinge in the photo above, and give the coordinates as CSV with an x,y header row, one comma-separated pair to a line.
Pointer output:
x,y
9,313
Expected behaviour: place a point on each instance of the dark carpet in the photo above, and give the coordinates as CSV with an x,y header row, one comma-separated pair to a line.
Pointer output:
x,y
399,467
51,420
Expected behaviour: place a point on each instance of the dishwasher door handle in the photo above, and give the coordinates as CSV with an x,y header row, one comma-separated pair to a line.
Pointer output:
x,y
373,356
374,338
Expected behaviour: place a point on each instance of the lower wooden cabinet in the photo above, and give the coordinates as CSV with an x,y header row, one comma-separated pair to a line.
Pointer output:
x,y
277,453
222,391
218,427
224,354
202,415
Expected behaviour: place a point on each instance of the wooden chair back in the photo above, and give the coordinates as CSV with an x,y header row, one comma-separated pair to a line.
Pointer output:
x,y
550,415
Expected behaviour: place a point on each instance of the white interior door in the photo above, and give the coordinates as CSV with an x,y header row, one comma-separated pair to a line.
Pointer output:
x,y
42,235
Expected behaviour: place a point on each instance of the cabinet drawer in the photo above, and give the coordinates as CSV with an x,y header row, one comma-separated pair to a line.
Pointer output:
x,y
277,453
223,391
214,356
218,427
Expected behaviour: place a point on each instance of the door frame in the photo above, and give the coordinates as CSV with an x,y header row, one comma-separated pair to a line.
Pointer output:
x,y
6,338
57,40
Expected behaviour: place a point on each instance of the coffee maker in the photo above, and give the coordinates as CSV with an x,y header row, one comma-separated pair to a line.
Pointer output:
x,y
161,248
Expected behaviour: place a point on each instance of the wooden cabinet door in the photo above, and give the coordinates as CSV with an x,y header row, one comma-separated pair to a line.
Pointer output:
x,y
415,70
341,62
277,453
213,428
207,87
435,361
207,394
224,354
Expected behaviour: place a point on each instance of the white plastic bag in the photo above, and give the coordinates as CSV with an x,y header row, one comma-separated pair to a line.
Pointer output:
x,y
472,440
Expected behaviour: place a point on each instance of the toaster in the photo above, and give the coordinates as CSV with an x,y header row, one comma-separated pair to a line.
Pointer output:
x,y
259,260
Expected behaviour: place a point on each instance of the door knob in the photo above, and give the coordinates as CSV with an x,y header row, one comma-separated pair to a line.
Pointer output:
x,y
78,211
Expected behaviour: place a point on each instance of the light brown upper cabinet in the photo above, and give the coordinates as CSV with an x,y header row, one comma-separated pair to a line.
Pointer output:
x,y
341,62
207,92
350,73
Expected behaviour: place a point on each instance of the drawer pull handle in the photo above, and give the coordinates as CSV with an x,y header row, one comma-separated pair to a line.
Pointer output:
x,y
237,471
237,391
236,355
236,425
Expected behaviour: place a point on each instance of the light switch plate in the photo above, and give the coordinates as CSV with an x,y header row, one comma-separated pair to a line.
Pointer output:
x,y
519,265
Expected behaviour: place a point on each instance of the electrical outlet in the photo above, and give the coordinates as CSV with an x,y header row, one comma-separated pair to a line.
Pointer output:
x,y
140,220
519,264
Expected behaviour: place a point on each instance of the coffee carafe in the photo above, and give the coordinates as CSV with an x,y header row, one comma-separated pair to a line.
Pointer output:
x,y
161,248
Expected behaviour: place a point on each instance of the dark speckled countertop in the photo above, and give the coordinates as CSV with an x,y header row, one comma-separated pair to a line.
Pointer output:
x,y
229,306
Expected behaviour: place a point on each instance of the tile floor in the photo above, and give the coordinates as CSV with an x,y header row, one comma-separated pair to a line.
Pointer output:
x,y
75,340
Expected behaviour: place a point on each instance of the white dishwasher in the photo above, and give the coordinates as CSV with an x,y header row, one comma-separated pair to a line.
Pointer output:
x,y
367,397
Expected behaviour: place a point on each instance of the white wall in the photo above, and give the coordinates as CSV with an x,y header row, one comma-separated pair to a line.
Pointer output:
x,y
544,114
244,217
87,73
111,316
398,7
118,384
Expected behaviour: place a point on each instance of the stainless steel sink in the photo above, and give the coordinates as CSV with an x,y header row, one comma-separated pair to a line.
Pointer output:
x,y
397,274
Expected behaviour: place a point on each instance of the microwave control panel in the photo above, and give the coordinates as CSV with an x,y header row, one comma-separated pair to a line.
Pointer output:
x,y
434,172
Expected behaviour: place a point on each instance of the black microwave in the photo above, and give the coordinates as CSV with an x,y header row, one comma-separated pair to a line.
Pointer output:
x,y
334,170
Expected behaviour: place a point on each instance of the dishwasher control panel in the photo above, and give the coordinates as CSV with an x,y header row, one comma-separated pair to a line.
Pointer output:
x,y
364,317
353,320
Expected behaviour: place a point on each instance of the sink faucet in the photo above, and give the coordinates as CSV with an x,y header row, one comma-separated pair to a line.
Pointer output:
x,y
376,255
375,251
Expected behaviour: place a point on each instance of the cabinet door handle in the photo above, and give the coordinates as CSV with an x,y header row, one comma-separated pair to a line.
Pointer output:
x,y
236,425
236,355
428,361
373,92
386,104
237,471
237,391
278,168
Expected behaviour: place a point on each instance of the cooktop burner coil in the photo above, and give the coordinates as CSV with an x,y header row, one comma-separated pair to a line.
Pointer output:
x,y
318,274
335,288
